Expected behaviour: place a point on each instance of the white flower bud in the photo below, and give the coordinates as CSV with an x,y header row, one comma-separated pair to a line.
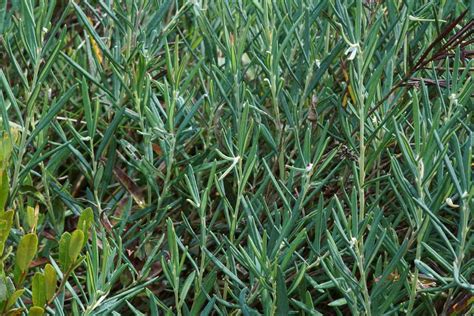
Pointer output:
x,y
450,203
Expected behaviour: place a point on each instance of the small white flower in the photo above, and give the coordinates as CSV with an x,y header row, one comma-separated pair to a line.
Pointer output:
x,y
309,167
220,61
450,203
453,98
352,51
421,169
353,242
245,59
318,63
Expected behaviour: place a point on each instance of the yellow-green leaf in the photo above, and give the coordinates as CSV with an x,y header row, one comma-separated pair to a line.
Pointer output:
x,y
50,281
85,222
15,312
64,250
6,222
3,290
75,245
38,289
4,188
31,217
26,251
15,295
6,148
10,285
8,216
36,311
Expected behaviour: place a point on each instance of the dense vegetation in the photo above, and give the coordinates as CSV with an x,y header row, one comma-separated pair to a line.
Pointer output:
x,y
236,157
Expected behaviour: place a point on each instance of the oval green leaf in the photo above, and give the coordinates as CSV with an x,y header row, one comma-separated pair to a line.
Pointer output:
x,y
50,281
36,311
15,295
75,244
64,250
38,289
26,251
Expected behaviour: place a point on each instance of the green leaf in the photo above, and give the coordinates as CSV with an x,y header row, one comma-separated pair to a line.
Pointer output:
x,y
85,222
38,289
15,295
10,94
186,286
83,71
50,281
338,302
75,245
4,189
283,305
87,107
47,117
26,251
6,148
85,21
172,243
109,133
52,58
29,30
3,290
36,311
6,222
31,217
64,251
223,268
200,294
15,312
3,11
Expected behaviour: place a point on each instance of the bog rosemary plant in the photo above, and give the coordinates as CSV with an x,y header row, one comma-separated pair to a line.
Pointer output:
x,y
268,157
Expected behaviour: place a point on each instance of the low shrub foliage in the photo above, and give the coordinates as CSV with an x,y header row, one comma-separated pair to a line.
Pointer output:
x,y
268,157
